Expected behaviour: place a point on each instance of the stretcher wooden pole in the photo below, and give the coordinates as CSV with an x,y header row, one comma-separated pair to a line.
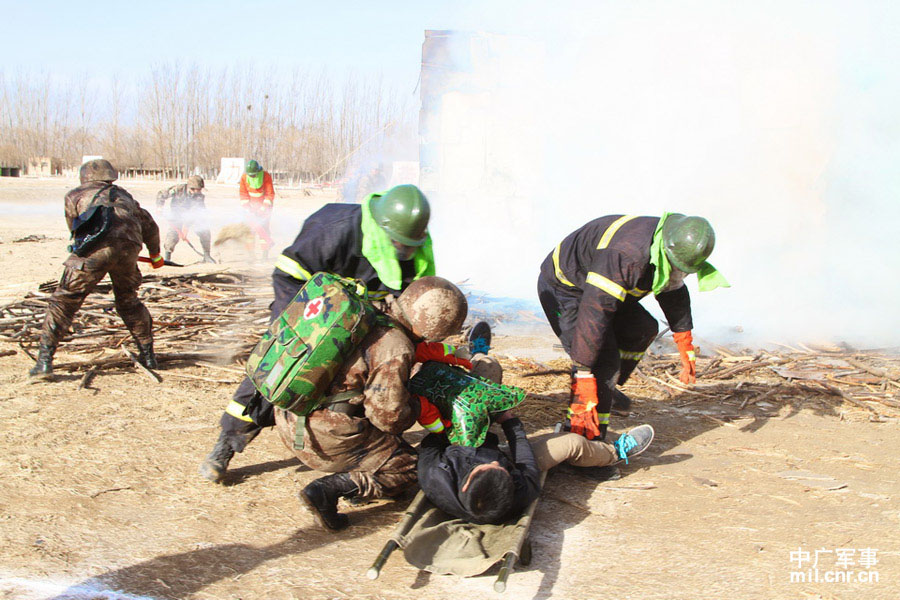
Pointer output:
x,y
409,519
509,559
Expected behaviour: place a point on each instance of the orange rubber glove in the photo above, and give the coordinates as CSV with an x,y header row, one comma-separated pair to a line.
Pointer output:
x,y
685,344
440,352
582,411
430,417
156,261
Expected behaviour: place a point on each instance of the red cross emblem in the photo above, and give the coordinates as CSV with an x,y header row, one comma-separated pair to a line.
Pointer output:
x,y
313,308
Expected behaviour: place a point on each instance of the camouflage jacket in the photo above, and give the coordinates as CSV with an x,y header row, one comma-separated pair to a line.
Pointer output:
x,y
364,439
181,200
130,222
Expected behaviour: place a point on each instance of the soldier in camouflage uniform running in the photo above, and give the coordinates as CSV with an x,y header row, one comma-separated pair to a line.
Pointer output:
x,y
188,207
116,253
357,438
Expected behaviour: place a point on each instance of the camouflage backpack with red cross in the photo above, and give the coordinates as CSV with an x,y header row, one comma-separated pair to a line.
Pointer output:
x,y
299,355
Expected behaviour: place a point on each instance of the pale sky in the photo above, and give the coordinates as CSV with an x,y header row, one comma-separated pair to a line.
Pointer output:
x,y
68,39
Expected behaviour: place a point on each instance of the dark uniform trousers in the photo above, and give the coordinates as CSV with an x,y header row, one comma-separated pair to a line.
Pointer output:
x,y
248,412
118,257
632,332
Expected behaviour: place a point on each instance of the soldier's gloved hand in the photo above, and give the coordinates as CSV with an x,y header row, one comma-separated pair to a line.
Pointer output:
x,y
582,412
464,354
156,261
685,344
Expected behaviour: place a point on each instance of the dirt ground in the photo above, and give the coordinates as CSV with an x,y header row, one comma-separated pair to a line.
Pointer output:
x,y
101,499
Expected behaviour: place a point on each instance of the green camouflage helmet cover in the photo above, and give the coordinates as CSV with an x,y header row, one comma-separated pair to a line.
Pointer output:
x,y
252,167
466,400
195,182
97,170
403,212
688,241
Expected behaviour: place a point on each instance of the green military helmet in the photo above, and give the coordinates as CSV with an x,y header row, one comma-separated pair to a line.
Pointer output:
x,y
688,241
403,213
195,182
252,168
97,170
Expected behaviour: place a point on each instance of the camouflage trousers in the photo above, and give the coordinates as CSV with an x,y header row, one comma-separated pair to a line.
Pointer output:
x,y
173,236
379,463
82,274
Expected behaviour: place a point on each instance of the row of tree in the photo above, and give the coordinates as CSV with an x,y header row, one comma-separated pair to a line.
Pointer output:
x,y
179,118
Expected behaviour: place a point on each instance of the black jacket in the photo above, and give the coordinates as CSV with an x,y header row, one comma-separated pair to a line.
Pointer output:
x,y
442,468
331,240
608,270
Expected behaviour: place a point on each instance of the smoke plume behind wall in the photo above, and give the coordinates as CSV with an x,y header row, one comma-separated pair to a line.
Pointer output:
x,y
778,122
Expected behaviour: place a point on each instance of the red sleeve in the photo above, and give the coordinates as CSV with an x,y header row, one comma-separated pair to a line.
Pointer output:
x,y
245,195
430,416
439,352
268,188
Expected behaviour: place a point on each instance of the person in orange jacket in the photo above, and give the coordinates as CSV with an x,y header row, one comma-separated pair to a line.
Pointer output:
x,y
257,199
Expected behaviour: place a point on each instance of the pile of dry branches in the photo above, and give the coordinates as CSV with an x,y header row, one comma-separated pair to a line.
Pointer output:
x,y
217,316
767,380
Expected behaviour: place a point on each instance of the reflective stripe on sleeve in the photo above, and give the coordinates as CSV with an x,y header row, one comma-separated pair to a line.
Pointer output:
x,y
448,349
377,295
638,292
236,410
559,273
691,356
625,355
607,236
435,427
607,285
290,266
603,418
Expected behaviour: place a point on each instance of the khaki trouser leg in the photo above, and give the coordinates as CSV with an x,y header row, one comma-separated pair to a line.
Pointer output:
x,y
551,449
487,367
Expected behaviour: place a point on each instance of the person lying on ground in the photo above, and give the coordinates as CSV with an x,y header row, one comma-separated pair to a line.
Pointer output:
x,y
483,484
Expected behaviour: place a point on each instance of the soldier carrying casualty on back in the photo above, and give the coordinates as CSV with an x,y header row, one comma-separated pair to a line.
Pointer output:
x,y
355,435
187,209
590,287
383,242
108,229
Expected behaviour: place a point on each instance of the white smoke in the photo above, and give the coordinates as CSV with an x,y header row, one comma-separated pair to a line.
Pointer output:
x,y
777,121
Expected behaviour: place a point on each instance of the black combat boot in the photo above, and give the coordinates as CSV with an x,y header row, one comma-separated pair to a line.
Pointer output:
x,y
146,356
207,257
321,497
44,365
215,464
